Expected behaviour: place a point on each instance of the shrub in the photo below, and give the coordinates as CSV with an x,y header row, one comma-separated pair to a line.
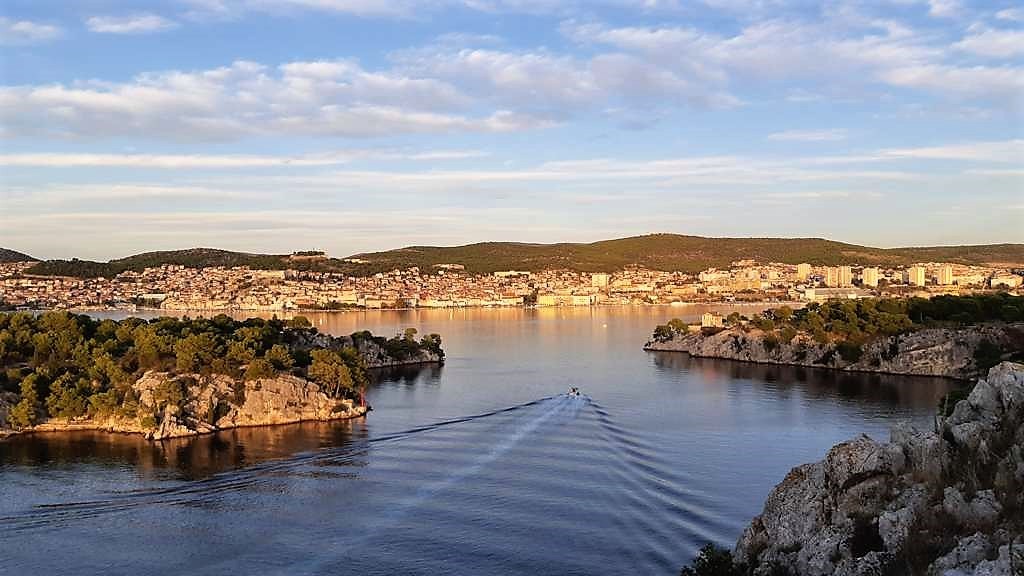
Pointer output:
x,y
987,355
713,561
770,342
849,351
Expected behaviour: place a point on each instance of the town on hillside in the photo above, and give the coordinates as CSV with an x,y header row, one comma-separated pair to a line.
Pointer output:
x,y
172,287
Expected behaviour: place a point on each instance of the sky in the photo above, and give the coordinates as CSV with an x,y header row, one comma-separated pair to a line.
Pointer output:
x,y
360,125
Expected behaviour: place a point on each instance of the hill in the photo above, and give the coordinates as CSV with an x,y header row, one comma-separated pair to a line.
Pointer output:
x,y
684,253
192,258
656,251
8,255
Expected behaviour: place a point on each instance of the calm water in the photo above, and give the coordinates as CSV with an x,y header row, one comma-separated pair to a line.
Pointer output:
x,y
478,467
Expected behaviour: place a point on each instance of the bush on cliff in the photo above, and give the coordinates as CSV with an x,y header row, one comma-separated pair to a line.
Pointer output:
x,y
713,561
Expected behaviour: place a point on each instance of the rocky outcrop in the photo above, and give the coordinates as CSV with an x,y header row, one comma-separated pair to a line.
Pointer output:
x,y
172,406
929,352
372,351
946,502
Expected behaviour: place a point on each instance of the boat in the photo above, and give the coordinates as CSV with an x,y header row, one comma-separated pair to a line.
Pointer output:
x,y
573,391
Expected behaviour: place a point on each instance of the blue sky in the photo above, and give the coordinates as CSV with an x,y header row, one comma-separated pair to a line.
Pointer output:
x,y
356,125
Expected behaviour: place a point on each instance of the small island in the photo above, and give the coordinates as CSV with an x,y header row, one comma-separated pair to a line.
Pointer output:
x,y
172,377
951,336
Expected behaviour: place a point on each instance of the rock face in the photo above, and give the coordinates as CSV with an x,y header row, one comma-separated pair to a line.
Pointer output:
x,y
945,503
929,352
210,403
218,402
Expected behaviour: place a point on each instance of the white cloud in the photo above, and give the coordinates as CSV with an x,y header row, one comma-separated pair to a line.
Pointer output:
x,y
944,8
995,43
142,23
1012,14
1000,151
844,51
1003,82
23,32
809,135
195,161
247,99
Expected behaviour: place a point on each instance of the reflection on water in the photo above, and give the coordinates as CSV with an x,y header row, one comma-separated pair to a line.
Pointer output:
x,y
191,458
912,393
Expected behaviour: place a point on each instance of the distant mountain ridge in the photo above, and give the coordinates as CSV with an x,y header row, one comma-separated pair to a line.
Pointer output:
x,y
655,251
8,255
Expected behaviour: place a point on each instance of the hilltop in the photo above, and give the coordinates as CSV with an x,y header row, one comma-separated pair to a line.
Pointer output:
x,y
8,255
192,258
655,251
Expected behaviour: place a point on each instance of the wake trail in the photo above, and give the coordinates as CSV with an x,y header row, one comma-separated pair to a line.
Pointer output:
x,y
42,515
562,405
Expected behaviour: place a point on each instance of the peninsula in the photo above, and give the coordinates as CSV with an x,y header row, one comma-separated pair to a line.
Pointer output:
x,y
951,336
172,377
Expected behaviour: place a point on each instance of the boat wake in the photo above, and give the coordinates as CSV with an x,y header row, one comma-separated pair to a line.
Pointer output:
x,y
483,473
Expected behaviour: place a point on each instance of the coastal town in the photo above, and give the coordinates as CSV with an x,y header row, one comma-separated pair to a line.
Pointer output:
x,y
172,287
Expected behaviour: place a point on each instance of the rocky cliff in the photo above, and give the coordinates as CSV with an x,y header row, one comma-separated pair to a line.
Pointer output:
x,y
945,502
929,352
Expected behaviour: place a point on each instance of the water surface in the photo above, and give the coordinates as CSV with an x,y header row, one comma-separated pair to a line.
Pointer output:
x,y
481,466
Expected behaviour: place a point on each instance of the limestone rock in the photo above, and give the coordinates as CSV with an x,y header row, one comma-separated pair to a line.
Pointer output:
x,y
926,352
872,508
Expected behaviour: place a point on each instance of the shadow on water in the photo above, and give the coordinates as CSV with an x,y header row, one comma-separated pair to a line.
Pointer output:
x,y
889,390
194,458
420,374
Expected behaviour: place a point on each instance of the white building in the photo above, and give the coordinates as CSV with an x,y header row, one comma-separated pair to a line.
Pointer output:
x,y
711,320
869,277
1005,281
915,276
944,275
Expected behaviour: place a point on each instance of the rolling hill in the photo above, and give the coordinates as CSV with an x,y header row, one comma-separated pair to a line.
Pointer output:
x,y
684,253
656,251
8,255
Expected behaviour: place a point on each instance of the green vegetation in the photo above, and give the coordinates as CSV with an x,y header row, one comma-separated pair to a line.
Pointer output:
x,y
404,346
65,365
656,251
192,258
850,324
713,561
674,327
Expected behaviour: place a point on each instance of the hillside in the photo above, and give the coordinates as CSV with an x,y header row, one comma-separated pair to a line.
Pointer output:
x,y
656,251
8,255
676,252
192,258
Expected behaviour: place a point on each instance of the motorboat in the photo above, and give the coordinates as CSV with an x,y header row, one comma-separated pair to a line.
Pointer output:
x,y
573,391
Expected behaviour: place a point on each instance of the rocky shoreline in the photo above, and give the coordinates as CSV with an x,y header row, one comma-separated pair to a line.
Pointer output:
x,y
948,501
946,352
171,378
211,403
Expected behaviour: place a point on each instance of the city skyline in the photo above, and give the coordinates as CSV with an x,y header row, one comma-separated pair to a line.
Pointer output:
x,y
362,126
